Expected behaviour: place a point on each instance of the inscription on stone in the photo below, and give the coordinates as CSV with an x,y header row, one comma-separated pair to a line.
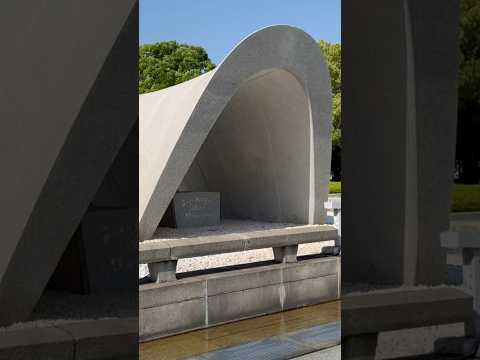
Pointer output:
x,y
195,209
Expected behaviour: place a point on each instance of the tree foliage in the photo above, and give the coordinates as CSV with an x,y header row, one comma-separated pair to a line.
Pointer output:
x,y
469,72
333,56
468,150
168,63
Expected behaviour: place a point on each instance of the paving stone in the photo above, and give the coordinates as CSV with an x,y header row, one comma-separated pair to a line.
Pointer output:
x,y
104,339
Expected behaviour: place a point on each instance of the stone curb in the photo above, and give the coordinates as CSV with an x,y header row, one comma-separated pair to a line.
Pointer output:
x,y
81,340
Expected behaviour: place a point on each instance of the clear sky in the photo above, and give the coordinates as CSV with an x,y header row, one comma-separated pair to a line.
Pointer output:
x,y
218,25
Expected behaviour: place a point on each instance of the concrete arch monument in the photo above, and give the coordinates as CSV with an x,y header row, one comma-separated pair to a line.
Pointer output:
x,y
65,130
257,129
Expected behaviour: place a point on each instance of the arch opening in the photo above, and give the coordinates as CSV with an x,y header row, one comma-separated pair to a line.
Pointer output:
x,y
257,155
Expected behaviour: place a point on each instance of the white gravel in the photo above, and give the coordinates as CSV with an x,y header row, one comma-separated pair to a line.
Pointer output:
x,y
242,257
58,308
227,226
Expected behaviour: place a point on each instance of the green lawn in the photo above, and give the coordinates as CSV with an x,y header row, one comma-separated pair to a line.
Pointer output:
x,y
335,187
465,197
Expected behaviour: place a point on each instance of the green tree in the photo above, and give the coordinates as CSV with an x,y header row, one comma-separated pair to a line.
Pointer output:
x,y
169,63
468,150
333,57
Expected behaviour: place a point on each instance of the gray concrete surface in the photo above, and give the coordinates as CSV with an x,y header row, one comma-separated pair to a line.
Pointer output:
x,y
57,147
388,310
397,322
73,340
210,299
398,147
232,236
196,209
258,127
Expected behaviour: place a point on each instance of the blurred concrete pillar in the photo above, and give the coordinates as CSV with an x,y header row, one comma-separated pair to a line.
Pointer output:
x,y
399,93
66,108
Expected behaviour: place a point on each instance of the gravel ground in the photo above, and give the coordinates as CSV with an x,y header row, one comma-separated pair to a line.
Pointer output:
x,y
227,226
56,308
242,257
236,258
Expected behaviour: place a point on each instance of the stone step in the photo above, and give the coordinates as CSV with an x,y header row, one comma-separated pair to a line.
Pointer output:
x,y
364,316
401,309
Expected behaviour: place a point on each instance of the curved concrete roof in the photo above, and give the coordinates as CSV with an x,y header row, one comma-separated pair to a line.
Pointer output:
x,y
257,128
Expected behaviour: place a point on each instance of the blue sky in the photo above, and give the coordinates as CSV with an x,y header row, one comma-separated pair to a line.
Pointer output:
x,y
219,25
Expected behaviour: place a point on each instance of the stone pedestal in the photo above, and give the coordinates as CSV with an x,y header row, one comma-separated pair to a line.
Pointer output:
x,y
285,254
196,209
163,271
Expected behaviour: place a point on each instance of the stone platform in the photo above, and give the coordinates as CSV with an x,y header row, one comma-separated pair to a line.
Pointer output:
x,y
176,303
206,300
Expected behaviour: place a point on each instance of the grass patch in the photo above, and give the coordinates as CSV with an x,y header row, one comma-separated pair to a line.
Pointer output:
x,y
335,187
466,198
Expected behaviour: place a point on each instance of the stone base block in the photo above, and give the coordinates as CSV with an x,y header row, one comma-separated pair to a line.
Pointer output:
x,y
212,299
112,235
163,271
286,254
196,209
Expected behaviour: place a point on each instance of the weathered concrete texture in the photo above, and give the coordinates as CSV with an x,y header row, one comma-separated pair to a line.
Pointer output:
x,y
212,299
435,34
256,129
80,340
398,137
393,310
364,316
56,147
